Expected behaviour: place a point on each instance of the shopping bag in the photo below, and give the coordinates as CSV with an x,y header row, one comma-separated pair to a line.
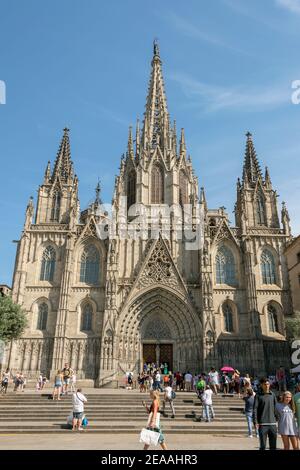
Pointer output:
x,y
149,437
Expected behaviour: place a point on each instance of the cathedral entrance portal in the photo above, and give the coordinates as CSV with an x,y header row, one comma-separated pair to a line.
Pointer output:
x,y
158,354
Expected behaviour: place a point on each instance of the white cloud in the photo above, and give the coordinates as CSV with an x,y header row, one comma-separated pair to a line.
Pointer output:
x,y
291,5
214,97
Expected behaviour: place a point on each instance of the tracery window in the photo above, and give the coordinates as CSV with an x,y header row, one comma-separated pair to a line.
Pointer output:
x,y
268,267
157,185
89,265
48,264
225,267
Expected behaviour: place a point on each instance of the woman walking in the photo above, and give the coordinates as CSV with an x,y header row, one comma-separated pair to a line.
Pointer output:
x,y
58,382
154,418
249,404
287,427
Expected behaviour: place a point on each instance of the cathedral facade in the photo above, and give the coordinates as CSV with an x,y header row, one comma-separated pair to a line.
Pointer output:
x,y
106,290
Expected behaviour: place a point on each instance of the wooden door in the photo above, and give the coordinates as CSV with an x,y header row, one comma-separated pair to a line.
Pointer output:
x,y
149,353
166,355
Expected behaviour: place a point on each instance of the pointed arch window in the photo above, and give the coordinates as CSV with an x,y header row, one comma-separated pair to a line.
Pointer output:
x,y
157,185
42,317
48,264
183,188
228,318
131,189
273,319
89,265
55,211
86,318
225,267
260,210
268,267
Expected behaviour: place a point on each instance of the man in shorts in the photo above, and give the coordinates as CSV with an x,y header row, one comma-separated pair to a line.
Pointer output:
x,y
78,401
67,373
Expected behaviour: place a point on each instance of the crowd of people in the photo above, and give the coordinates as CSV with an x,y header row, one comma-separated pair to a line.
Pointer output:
x,y
271,404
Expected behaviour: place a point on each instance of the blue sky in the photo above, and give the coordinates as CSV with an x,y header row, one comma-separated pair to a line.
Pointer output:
x,y
228,67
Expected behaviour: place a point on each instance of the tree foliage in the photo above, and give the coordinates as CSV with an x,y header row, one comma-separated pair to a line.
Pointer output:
x,y
13,319
293,326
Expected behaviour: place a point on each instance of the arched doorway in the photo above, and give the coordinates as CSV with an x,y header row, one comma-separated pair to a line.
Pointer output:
x,y
162,325
157,341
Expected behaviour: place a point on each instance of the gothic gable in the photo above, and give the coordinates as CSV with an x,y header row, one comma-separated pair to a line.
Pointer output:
x,y
223,232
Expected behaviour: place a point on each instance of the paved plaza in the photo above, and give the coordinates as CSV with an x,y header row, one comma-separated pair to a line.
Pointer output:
x,y
123,442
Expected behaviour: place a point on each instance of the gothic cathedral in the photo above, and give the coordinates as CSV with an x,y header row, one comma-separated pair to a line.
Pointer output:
x,y
107,304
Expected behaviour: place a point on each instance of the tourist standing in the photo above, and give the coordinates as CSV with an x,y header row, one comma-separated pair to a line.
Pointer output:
x,y
188,381
249,405
78,400
213,378
281,379
168,398
5,380
287,427
67,373
58,383
264,415
208,411
236,382
297,406
73,380
154,418
157,381
225,383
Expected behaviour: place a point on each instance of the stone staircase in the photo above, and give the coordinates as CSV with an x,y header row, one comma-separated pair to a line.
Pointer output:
x,y
117,411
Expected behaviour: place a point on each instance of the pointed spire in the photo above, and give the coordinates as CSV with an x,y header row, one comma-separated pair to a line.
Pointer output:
x,y
47,173
251,170
285,219
203,198
174,138
137,138
268,182
156,122
63,163
98,201
182,147
29,212
130,151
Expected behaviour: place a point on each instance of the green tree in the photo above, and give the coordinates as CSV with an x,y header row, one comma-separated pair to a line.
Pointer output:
x,y
293,327
13,319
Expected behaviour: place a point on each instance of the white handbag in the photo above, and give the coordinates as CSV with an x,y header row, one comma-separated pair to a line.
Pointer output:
x,y
149,437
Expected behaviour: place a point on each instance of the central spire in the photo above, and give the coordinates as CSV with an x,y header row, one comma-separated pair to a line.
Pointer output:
x,y
251,169
63,163
156,122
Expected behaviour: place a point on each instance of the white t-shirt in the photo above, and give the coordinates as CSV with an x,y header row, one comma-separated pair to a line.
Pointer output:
x,y
207,397
214,378
188,377
78,400
158,377
168,391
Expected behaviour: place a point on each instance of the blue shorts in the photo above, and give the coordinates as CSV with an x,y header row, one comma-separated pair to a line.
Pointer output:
x,y
77,415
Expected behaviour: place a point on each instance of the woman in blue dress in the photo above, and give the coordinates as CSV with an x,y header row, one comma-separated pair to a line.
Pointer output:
x,y
287,426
